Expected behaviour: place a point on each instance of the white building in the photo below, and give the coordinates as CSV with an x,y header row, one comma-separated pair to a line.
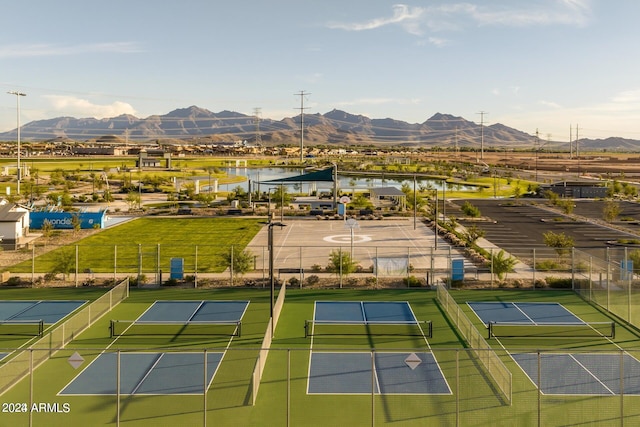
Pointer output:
x,y
14,225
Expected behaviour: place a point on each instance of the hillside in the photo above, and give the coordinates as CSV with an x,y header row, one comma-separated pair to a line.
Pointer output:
x,y
334,127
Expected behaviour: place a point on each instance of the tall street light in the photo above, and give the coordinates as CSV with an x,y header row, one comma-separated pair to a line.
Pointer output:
x,y
18,95
272,281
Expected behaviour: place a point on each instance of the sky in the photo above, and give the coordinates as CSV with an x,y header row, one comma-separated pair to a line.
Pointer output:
x,y
549,66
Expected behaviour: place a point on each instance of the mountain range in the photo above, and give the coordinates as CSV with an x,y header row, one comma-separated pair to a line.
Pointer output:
x,y
336,127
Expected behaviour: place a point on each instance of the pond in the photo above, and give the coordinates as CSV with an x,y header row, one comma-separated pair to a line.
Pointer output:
x,y
258,176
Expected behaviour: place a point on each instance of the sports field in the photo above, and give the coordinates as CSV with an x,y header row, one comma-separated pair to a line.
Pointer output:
x,y
339,357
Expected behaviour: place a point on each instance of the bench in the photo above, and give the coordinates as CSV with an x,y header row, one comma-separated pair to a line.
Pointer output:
x,y
234,211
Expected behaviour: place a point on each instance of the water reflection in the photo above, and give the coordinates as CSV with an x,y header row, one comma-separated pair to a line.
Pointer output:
x,y
258,176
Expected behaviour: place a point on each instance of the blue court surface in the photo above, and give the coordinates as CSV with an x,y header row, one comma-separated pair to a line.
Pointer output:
x,y
393,373
49,312
195,311
582,373
146,374
523,312
363,312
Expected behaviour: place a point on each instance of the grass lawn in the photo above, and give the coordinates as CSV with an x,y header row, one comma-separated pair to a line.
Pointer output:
x,y
151,239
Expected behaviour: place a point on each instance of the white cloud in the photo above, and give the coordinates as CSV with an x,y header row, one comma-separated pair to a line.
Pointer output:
x,y
44,49
457,16
550,104
407,17
438,42
78,107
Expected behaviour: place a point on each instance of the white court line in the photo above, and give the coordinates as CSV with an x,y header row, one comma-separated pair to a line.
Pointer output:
x,y
591,373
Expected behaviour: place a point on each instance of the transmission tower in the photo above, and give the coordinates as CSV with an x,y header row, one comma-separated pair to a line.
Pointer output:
x,y
256,119
302,94
482,113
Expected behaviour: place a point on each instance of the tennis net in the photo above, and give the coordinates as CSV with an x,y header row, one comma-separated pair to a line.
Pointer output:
x,y
422,328
551,330
22,327
132,327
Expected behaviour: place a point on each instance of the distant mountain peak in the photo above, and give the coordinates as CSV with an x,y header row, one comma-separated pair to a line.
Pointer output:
x,y
333,127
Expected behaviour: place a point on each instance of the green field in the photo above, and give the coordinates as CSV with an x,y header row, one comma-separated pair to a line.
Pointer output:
x,y
474,401
153,238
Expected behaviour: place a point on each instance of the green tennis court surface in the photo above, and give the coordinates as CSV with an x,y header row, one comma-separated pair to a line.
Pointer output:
x,y
365,363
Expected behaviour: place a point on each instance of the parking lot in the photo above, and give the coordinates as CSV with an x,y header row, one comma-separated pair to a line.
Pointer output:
x,y
519,226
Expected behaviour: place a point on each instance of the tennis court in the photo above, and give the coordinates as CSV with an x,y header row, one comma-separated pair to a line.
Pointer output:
x,y
582,373
560,373
367,372
149,372
49,312
146,373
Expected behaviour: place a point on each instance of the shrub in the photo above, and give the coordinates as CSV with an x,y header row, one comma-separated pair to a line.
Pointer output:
x,y
293,281
312,280
316,268
559,283
412,282
547,265
14,281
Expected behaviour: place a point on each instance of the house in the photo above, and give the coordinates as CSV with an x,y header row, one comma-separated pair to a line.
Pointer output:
x,y
14,225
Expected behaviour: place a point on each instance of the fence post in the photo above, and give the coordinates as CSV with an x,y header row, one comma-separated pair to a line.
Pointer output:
x,y
534,268
340,264
33,264
139,263
231,266
115,264
158,270
204,390
195,269
76,273
573,269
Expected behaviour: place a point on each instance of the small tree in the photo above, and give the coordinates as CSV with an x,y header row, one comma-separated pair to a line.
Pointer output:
x,y
470,210
47,229
64,262
239,260
133,199
76,223
502,264
280,197
610,211
474,233
341,262
560,242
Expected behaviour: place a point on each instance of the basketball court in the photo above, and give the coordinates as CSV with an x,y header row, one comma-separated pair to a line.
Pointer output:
x,y
387,243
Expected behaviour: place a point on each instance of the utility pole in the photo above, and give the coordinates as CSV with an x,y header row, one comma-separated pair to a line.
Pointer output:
x,y
18,95
256,119
482,113
302,94
570,142
577,142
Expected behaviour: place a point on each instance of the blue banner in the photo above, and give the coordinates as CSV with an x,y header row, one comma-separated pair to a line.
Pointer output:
x,y
64,219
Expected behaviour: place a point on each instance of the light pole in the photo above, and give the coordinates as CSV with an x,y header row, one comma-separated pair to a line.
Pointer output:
x,y
18,95
272,283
